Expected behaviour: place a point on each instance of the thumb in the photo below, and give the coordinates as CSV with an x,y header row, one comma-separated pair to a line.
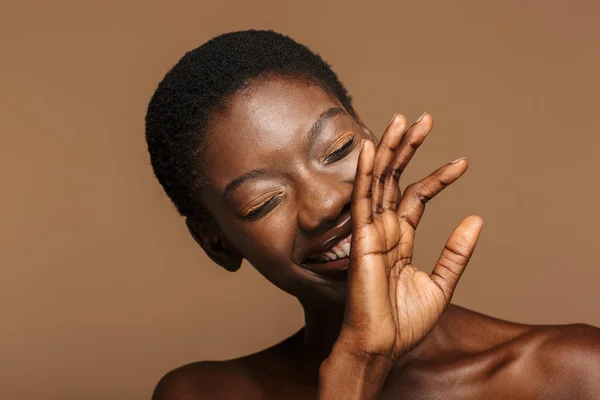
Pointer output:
x,y
456,254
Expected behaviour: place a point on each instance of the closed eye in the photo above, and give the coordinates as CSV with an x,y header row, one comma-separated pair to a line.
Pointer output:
x,y
342,151
259,211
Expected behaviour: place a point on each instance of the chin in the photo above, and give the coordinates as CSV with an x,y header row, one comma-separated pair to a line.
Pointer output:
x,y
325,292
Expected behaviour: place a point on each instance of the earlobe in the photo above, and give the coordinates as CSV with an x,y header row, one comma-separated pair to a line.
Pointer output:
x,y
215,245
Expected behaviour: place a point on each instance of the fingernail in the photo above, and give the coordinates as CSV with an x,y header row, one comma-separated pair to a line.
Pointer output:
x,y
458,159
421,117
393,118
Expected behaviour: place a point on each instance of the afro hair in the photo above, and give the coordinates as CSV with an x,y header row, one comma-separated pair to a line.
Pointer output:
x,y
200,83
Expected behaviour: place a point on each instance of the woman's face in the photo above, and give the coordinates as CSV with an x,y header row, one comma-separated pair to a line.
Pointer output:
x,y
280,164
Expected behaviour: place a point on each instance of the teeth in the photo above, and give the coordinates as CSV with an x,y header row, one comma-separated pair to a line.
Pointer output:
x,y
346,248
340,250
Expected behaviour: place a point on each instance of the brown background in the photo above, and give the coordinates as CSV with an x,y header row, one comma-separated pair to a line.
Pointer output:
x,y
102,290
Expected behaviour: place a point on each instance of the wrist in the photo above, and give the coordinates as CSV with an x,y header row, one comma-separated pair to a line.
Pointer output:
x,y
352,375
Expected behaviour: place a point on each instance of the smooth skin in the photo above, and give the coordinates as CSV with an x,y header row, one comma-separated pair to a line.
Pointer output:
x,y
387,330
391,305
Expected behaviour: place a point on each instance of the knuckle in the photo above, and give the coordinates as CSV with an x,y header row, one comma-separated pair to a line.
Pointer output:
x,y
367,194
416,190
413,145
397,173
449,265
381,176
457,253
422,196
364,171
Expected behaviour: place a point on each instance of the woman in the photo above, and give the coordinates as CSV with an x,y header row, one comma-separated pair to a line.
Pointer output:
x,y
258,145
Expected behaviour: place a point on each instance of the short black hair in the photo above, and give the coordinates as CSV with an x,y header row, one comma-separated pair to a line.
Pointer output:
x,y
201,82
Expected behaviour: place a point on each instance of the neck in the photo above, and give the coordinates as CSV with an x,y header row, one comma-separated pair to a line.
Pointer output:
x,y
323,324
322,328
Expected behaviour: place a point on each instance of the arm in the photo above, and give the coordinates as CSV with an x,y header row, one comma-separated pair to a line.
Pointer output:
x,y
391,306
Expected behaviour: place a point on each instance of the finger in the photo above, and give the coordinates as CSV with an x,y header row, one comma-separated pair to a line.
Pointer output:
x,y
386,150
411,140
416,195
456,255
363,181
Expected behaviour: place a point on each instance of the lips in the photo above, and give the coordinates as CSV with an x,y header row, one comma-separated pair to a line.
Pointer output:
x,y
340,249
333,260
337,269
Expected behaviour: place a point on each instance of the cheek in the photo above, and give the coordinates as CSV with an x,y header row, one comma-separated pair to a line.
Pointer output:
x,y
268,243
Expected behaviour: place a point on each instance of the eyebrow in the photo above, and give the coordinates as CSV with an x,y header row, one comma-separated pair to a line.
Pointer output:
x,y
314,130
237,182
318,125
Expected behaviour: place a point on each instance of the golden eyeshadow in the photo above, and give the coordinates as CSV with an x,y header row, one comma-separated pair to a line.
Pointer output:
x,y
258,203
344,137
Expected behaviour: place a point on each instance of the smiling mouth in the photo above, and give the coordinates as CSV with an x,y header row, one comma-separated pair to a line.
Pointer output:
x,y
339,250
332,262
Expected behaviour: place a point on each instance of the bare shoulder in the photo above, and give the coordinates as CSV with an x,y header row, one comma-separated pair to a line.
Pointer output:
x,y
556,361
548,362
208,380
248,377
494,358
568,356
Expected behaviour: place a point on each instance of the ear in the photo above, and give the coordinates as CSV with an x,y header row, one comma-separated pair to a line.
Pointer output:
x,y
215,245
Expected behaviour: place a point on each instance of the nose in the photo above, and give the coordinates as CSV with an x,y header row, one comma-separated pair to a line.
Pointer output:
x,y
322,202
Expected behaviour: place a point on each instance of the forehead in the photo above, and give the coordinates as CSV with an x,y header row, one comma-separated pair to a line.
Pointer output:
x,y
263,124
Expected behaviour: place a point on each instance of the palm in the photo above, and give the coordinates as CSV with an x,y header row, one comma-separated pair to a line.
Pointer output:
x,y
410,297
391,303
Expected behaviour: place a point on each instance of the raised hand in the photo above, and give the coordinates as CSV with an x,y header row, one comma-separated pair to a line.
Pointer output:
x,y
391,305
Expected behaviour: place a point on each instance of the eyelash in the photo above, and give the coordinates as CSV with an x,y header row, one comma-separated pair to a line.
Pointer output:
x,y
341,152
274,201
262,209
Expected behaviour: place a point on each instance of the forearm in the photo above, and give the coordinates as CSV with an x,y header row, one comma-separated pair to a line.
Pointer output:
x,y
346,376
